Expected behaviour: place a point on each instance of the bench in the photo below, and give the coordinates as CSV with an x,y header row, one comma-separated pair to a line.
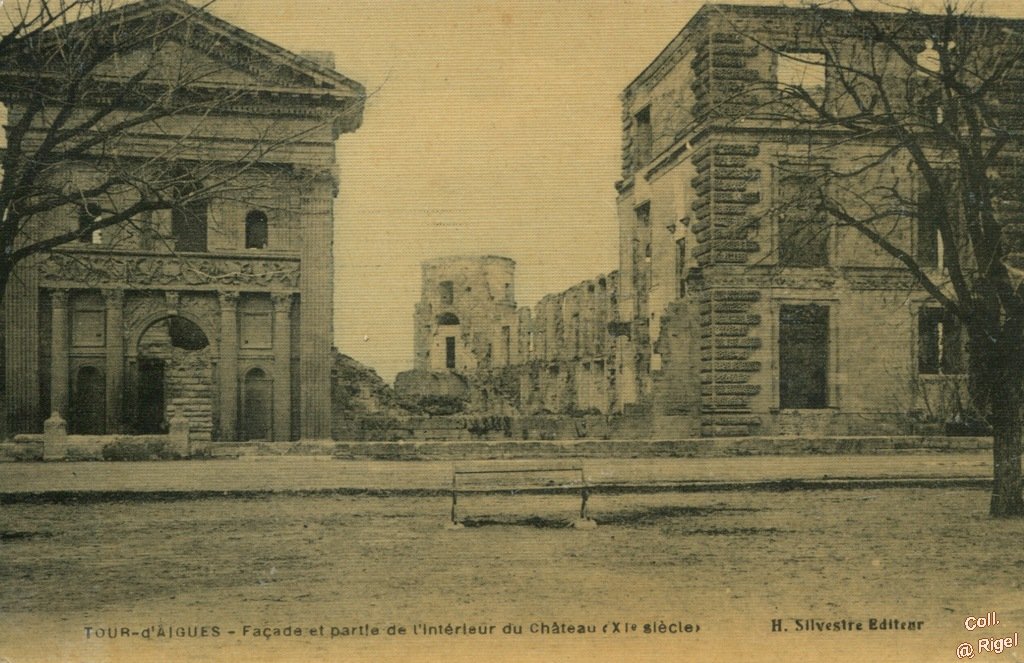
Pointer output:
x,y
516,477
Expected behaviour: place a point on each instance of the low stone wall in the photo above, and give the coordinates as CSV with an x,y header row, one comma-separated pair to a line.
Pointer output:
x,y
697,448
55,444
693,448
153,447
385,428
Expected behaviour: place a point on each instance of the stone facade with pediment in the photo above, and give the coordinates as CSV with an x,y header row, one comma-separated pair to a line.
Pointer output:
x,y
231,325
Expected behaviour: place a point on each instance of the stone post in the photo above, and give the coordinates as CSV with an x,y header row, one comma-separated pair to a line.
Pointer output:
x,y
179,434
282,367
59,352
55,437
115,358
228,366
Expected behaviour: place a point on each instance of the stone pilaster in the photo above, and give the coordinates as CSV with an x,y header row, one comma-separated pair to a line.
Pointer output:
x,y
228,366
728,340
282,367
59,353
316,303
21,368
115,357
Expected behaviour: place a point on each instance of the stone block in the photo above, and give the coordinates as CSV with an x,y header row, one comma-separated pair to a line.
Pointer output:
x,y
55,437
178,442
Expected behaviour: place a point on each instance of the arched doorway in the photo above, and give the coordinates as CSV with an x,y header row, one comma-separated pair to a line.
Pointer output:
x,y
88,403
257,400
173,373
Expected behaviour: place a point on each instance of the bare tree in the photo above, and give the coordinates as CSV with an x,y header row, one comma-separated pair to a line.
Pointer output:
x,y
132,93
909,125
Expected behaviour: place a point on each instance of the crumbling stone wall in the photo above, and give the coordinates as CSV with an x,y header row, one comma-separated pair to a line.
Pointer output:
x,y
555,358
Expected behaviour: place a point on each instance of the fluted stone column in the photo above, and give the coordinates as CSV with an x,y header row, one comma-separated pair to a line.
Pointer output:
x,y
115,357
21,317
59,352
228,366
282,367
316,303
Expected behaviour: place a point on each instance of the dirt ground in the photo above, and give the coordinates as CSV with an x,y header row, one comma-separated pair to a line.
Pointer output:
x,y
728,562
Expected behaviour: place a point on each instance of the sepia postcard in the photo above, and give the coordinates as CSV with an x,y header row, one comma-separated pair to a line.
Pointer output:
x,y
594,330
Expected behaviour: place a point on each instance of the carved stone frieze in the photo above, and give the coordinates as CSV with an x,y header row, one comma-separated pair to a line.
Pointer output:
x,y
156,271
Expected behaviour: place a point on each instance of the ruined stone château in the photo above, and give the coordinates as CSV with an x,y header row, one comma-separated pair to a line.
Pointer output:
x,y
473,342
737,309
221,312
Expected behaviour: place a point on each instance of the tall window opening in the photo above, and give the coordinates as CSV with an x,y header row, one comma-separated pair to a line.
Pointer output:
x,y
256,230
643,215
188,225
447,292
929,241
449,352
929,249
803,229
643,136
940,343
803,356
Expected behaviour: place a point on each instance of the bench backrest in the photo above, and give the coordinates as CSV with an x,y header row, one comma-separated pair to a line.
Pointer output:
x,y
482,476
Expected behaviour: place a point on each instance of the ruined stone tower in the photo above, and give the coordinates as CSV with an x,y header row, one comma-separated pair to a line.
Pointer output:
x,y
466,317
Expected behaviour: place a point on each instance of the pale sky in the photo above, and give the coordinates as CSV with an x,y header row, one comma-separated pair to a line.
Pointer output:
x,y
491,128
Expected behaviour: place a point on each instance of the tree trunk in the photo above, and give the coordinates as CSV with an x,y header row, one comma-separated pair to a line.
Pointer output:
x,y
1006,452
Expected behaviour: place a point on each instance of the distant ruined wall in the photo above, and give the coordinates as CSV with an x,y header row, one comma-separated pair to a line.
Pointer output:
x,y
555,358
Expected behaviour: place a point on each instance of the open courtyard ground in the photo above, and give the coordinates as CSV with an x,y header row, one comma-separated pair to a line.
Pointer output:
x,y
181,577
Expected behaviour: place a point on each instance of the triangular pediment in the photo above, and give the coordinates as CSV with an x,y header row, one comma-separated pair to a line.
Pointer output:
x,y
174,61
172,40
